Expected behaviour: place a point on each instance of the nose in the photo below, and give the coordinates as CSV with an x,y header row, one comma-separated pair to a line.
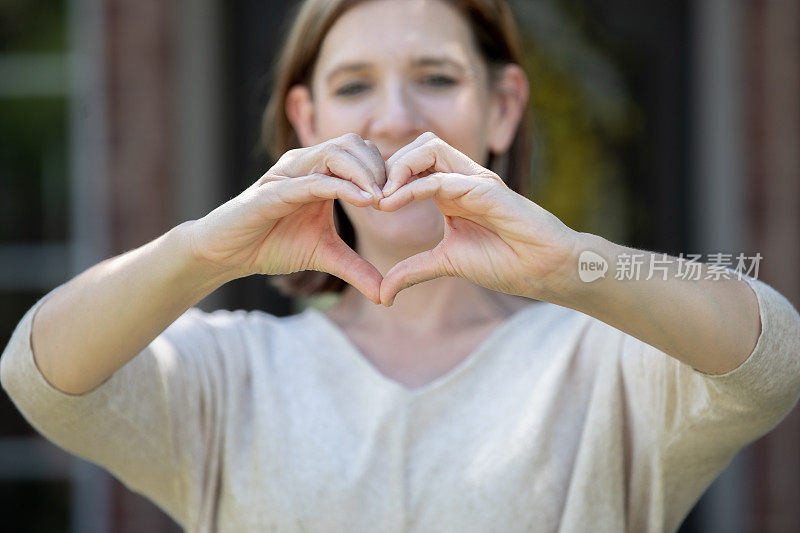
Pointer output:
x,y
396,117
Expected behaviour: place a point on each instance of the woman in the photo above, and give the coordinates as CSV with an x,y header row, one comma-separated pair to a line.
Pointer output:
x,y
459,404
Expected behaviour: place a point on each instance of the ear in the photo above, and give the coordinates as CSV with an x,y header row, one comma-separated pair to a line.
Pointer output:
x,y
300,112
508,100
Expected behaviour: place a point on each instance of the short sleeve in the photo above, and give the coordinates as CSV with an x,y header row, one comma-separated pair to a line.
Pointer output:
x,y
149,424
700,421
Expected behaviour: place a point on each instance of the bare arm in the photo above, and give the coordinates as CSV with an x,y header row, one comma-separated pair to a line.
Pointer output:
x,y
711,324
96,322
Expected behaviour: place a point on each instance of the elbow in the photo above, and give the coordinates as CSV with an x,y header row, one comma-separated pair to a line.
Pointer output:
x,y
22,375
9,379
63,384
767,381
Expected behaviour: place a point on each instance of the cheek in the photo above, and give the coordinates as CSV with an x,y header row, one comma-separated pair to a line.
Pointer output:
x,y
333,120
460,122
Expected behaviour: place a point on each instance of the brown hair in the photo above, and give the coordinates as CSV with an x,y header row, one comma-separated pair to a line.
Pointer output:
x,y
497,40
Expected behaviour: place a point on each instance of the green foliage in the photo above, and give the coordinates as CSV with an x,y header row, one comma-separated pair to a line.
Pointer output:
x,y
579,126
33,169
33,26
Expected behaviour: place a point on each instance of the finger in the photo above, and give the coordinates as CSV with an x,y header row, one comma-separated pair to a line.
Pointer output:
x,y
337,258
350,166
339,161
419,141
416,143
369,156
421,267
440,184
432,154
372,156
293,192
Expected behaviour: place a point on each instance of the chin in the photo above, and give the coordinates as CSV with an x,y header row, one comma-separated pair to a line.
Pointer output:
x,y
416,225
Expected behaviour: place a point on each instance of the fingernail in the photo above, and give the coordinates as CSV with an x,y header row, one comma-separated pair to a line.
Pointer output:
x,y
387,189
378,192
365,194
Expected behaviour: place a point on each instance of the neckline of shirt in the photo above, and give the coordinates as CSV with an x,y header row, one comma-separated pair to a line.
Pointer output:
x,y
353,352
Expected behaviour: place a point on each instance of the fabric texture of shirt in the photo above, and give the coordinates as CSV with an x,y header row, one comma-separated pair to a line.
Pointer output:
x,y
245,421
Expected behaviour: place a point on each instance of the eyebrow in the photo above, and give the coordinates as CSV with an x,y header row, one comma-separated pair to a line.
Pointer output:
x,y
423,61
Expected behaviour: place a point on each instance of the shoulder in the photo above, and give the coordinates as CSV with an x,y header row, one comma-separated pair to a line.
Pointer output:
x,y
551,334
229,325
550,321
592,348
226,349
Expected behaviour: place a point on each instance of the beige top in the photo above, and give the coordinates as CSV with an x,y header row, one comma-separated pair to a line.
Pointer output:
x,y
243,421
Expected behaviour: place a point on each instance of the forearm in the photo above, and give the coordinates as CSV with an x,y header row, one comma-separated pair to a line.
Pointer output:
x,y
710,324
95,323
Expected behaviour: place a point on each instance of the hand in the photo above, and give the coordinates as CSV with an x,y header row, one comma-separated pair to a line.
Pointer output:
x,y
283,222
493,236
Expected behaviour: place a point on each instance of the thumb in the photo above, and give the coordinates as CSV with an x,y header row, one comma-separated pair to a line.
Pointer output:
x,y
337,258
420,267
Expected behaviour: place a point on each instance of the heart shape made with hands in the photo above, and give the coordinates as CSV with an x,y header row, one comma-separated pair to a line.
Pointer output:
x,y
493,236
403,169
425,265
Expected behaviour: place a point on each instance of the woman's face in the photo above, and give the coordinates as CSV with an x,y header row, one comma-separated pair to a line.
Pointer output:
x,y
390,70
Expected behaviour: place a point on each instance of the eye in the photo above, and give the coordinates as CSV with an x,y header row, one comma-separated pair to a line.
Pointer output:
x,y
438,80
350,89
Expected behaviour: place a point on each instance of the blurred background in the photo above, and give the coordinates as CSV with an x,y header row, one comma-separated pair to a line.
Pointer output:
x,y
672,126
